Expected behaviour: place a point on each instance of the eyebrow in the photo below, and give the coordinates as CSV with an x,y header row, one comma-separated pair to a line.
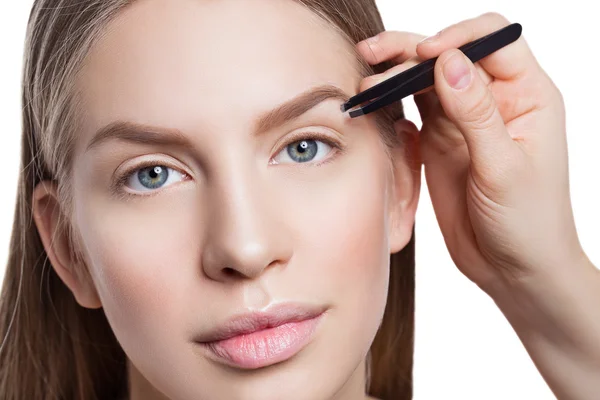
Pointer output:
x,y
289,110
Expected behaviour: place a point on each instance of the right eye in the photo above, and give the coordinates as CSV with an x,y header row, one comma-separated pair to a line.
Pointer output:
x,y
152,177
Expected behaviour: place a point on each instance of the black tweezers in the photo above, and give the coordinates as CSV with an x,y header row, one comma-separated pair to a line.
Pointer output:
x,y
420,76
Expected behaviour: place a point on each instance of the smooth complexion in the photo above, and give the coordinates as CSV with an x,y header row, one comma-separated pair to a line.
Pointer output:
x,y
239,224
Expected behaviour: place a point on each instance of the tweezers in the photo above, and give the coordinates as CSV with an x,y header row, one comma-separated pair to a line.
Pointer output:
x,y
420,76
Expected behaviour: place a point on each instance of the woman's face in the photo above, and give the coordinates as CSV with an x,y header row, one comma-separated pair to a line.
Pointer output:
x,y
204,203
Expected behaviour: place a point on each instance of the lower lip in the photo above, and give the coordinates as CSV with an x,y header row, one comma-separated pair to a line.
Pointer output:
x,y
266,347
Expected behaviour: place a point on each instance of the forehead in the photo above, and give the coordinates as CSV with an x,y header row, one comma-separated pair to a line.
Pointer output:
x,y
205,60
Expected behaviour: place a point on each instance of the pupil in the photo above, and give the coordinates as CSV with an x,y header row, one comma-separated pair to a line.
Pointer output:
x,y
303,151
154,173
153,177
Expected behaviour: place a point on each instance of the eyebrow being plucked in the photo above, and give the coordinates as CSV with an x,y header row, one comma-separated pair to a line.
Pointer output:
x,y
152,135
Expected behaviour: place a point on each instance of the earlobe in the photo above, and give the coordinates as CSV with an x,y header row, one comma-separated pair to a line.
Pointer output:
x,y
47,214
406,184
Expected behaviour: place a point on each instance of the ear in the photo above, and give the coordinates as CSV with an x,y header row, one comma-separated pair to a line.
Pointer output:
x,y
406,166
47,214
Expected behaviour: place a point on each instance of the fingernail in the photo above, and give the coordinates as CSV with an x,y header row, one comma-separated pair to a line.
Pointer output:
x,y
457,72
431,38
372,40
378,78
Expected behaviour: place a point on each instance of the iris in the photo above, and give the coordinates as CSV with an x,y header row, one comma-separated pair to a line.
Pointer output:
x,y
154,176
303,150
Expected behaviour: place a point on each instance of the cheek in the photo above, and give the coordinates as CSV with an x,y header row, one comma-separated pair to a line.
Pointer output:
x,y
351,229
341,242
140,259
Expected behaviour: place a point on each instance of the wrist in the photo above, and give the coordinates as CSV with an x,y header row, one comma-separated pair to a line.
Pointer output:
x,y
534,275
556,304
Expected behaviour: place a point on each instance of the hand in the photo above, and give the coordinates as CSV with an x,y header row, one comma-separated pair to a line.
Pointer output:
x,y
494,152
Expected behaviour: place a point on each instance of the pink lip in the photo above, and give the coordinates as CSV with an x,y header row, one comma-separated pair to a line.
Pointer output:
x,y
259,339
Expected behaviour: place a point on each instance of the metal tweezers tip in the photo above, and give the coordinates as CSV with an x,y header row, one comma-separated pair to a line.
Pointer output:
x,y
357,113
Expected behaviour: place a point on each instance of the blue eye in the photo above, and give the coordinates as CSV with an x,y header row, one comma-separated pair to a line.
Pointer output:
x,y
152,177
304,150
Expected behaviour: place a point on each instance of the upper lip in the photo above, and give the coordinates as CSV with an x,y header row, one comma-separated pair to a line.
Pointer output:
x,y
254,321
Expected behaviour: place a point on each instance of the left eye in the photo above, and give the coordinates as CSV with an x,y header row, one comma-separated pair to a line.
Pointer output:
x,y
302,151
152,177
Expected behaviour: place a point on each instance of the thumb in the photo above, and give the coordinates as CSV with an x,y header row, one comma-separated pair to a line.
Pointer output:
x,y
470,105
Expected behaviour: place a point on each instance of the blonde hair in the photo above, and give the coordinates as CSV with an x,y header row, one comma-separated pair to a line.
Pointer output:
x,y
52,348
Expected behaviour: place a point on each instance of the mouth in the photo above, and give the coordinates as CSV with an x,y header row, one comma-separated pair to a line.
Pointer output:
x,y
260,339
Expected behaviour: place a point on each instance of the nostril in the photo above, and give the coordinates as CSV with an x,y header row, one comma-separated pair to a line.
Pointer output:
x,y
229,271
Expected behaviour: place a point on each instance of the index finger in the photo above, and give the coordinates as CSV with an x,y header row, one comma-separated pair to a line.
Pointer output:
x,y
396,46
508,63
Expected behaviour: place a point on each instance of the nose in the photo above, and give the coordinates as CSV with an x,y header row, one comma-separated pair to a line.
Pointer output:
x,y
244,234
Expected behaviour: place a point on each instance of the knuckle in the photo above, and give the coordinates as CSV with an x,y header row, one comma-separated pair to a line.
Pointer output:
x,y
390,36
440,136
495,16
560,101
385,35
559,96
480,112
401,39
548,86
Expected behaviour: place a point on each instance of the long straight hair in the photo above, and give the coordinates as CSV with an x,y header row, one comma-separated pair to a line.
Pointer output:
x,y
52,348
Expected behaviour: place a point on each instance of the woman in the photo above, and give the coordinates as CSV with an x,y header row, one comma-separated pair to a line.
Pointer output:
x,y
217,229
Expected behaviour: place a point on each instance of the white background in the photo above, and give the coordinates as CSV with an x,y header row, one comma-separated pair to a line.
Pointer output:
x,y
465,349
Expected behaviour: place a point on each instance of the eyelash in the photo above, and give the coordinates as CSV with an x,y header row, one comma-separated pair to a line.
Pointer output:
x,y
117,187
